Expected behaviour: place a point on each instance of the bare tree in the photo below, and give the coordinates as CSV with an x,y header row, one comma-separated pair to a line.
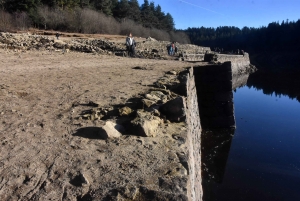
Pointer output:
x,y
21,20
5,21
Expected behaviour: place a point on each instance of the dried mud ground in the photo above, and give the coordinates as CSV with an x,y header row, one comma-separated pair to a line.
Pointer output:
x,y
41,158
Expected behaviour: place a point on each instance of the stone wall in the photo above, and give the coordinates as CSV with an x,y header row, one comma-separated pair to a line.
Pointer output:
x,y
151,49
193,139
240,63
192,57
215,97
160,47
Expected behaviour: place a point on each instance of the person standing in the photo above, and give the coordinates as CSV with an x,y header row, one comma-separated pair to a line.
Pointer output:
x,y
130,45
57,35
173,48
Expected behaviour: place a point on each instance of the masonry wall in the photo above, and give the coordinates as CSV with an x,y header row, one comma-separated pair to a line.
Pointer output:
x,y
193,139
161,47
240,64
192,57
215,97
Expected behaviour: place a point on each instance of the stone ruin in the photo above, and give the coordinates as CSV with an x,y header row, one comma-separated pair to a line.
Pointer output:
x,y
150,48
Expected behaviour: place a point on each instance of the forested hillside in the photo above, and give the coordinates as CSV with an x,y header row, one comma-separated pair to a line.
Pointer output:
x,y
91,16
276,36
274,47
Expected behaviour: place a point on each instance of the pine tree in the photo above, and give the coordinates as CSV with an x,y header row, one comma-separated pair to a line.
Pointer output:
x,y
104,6
160,16
152,17
20,5
134,11
168,22
146,14
121,10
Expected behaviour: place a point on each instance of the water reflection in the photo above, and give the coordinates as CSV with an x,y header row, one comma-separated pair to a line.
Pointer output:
x,y
259,160
215,149
276,83
215,145
239,81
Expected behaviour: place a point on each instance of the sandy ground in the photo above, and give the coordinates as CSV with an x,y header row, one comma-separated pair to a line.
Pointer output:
x,y
41,158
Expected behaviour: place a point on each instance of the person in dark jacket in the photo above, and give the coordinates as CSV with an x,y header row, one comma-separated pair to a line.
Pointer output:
x,y
57,35
130,45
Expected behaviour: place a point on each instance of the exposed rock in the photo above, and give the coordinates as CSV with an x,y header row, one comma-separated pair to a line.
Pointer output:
x,y
125,111
152,97
110,130
150,39
174,109
145,124
148,103
151,48
172,72
162,97
59,44
146,194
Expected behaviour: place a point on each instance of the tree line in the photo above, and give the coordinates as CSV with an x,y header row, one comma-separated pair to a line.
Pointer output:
x,y
148,14
276,36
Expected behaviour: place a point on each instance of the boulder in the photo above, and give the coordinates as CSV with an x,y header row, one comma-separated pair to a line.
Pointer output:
x,y
145,124
172,72
110,130
59,44
148,103
150,39
162,97
174,110
152,97
125,111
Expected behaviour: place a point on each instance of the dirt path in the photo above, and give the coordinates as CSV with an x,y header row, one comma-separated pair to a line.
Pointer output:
x,y
42,159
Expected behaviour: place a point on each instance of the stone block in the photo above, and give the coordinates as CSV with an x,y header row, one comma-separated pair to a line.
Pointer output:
x,y
174,109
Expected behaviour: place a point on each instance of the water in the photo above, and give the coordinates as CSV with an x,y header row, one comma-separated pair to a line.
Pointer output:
x,y
261,162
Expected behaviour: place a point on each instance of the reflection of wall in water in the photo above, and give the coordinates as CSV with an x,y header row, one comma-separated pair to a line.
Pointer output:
x,y
214,84
215,150
239,81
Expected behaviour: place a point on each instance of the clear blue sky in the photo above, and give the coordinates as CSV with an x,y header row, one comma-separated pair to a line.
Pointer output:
x,y
239,13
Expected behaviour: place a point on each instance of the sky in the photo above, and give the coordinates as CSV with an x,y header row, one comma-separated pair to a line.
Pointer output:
x,y
238,13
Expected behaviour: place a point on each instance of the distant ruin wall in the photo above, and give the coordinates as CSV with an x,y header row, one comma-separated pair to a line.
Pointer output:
x,y
192,57
240,63
160,47
193,140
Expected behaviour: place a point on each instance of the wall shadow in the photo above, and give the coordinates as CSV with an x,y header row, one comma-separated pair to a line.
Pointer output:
x,y
215,97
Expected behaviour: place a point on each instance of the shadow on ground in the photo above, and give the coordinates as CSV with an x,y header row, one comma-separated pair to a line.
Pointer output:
x,y
90,133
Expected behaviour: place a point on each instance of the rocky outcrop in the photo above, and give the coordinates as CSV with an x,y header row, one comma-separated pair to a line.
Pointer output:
x,y
25,42
178,176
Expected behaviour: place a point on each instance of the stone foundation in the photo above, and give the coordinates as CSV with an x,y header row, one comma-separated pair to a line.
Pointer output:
x,y
240,63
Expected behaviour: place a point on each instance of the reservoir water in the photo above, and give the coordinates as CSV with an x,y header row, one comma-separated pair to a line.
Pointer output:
x,y
260,159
